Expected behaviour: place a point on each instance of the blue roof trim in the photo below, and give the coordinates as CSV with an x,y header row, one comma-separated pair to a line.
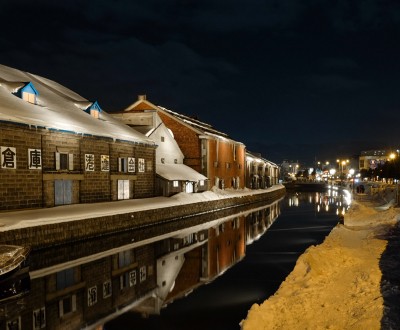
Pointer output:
x,y
29,88
94,106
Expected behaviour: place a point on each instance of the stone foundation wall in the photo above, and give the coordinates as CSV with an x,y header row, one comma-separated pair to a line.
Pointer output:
x,y
59,233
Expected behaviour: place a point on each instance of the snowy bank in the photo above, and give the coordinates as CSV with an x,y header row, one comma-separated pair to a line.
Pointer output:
x,y
69,223
342,283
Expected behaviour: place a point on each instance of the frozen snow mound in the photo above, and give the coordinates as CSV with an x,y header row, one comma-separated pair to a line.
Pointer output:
x,y
386,206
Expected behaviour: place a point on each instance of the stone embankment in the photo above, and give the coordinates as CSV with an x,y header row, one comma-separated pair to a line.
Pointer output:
x,y
53,232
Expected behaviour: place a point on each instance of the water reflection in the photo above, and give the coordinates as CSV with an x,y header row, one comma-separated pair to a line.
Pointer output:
x,y
86,284
333,199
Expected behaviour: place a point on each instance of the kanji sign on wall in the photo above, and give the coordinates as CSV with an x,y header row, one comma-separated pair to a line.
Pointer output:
x,y
8,157
35,159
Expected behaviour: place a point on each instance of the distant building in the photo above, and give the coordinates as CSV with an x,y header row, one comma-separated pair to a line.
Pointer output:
x,y
58,148
260,173
371,159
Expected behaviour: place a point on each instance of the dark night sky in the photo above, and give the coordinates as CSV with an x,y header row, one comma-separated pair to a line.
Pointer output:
x,y
290,79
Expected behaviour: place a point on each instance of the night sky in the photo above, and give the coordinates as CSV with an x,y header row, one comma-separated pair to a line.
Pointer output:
x,y
301,80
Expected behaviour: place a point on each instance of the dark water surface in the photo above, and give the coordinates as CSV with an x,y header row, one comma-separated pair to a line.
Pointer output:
x,y
305,220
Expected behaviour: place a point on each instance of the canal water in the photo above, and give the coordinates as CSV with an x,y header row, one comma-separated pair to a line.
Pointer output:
x,y
199,272
305,219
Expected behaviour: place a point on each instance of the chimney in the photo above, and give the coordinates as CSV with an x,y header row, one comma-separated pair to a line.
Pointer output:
x,y
142,97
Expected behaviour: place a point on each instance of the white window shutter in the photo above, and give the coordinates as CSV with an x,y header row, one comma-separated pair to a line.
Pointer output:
x,y
57,160
61,307
71,162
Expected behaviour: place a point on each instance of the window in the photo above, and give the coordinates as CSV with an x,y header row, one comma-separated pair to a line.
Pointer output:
x,y
162,160
175,183
29,97
67,305
28,93
39,318
64,161
65,278
94,113
201,182
94,110
122,164
162,139
141,165
125,258
14,324
123,281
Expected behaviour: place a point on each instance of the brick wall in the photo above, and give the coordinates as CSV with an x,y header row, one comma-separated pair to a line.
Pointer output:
x,y
20,187
188,141
31,188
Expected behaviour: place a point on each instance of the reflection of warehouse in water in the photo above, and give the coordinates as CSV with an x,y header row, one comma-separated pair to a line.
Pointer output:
x,y
142,271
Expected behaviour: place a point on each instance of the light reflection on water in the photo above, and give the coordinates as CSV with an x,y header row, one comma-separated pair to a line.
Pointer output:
x,y
332,199
267,263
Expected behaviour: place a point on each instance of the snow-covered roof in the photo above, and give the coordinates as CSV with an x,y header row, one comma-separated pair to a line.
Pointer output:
x,y
199,126
57,108
178,172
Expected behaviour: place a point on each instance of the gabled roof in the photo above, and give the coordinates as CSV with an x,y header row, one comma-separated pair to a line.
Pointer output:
x,y
141,105
57,108
201,128
29,88
93,106
197,125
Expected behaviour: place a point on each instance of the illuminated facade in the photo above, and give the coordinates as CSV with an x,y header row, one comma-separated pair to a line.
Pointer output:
x,y
206,150
260,173
371,159
57,148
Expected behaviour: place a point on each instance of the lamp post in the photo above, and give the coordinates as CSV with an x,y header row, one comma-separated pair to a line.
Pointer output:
x,y
332,172
351,172
342,163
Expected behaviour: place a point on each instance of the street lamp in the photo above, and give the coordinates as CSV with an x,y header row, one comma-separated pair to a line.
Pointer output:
x,y
342,163
351,172
332,172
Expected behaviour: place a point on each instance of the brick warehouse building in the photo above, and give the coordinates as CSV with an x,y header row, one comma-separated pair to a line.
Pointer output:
x,y
207,150
59,148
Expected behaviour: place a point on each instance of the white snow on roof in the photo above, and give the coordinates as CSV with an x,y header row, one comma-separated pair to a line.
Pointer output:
x,y
178,172
205,128
57,108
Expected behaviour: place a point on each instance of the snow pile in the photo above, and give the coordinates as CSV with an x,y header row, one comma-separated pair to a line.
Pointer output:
x,y
342,283
37,217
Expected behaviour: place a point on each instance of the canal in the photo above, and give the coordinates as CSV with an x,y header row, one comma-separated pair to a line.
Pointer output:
x,y
305,219
200,272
